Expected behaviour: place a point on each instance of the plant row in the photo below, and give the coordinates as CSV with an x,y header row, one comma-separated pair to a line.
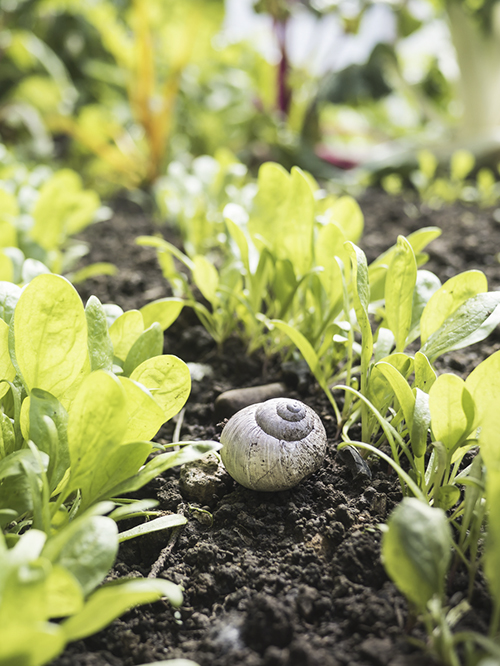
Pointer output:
x,y
277,263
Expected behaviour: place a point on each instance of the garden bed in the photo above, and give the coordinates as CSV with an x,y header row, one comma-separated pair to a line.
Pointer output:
x,y
290,578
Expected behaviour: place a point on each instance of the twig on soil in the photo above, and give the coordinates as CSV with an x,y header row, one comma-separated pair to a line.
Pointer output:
x,y
162,558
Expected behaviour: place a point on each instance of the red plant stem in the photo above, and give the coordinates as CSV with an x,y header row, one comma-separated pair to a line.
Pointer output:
x,y
284,96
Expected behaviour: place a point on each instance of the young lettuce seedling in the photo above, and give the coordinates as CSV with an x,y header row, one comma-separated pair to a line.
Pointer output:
x,y
57,579
87,422
37,229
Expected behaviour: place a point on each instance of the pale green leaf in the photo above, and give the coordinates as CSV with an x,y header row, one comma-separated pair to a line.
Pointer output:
x,y
452,410
329,244
206,278
32,644
347,214
418,240
448,298
112,600
399,287
416,550
426,285
7,370
99,342
484,386
471,322
156,525
168,380
147,345
269,202
425,375
492,547
402,392
420,424
165,311
9,295
294,240
97,422
305,348
92,270
48,422
87,548
50,335
145,416
188,453
124,331
361,288
63,593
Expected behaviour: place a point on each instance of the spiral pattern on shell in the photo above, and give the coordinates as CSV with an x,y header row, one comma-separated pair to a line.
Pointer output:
x,y
273,445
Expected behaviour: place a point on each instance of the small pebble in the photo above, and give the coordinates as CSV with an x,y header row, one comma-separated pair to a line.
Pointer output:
x,y
230,402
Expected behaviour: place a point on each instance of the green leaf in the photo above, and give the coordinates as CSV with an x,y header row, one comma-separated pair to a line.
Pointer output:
x,y
164,311
156,525
97,422
283,217
402,391
145,416
188,453
416,550
329,244
305,348
448,298
425,375
240,238
62,209
471,322
87,548
421,422
99,341
483,385
7,370
168,380
461,164
294,239
30,644
418,240
348,216
379,390
399,287
427,284
447,496
97,269
48,424
50,336
492,546
112,600
270,201
7,436
361,288
124,331
15,488
9,295
452,410
63,594
116,467
206,278
147,345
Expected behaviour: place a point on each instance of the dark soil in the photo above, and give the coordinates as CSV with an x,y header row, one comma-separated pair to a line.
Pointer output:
x,y
279,579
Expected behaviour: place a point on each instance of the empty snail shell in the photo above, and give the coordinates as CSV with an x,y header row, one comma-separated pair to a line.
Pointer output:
x,y
273,445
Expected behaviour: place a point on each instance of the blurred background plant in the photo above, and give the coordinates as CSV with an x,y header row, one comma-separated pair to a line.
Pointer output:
x,y
40,212
123,87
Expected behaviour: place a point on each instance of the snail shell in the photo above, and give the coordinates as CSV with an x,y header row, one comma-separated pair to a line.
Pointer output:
x,y
273,445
